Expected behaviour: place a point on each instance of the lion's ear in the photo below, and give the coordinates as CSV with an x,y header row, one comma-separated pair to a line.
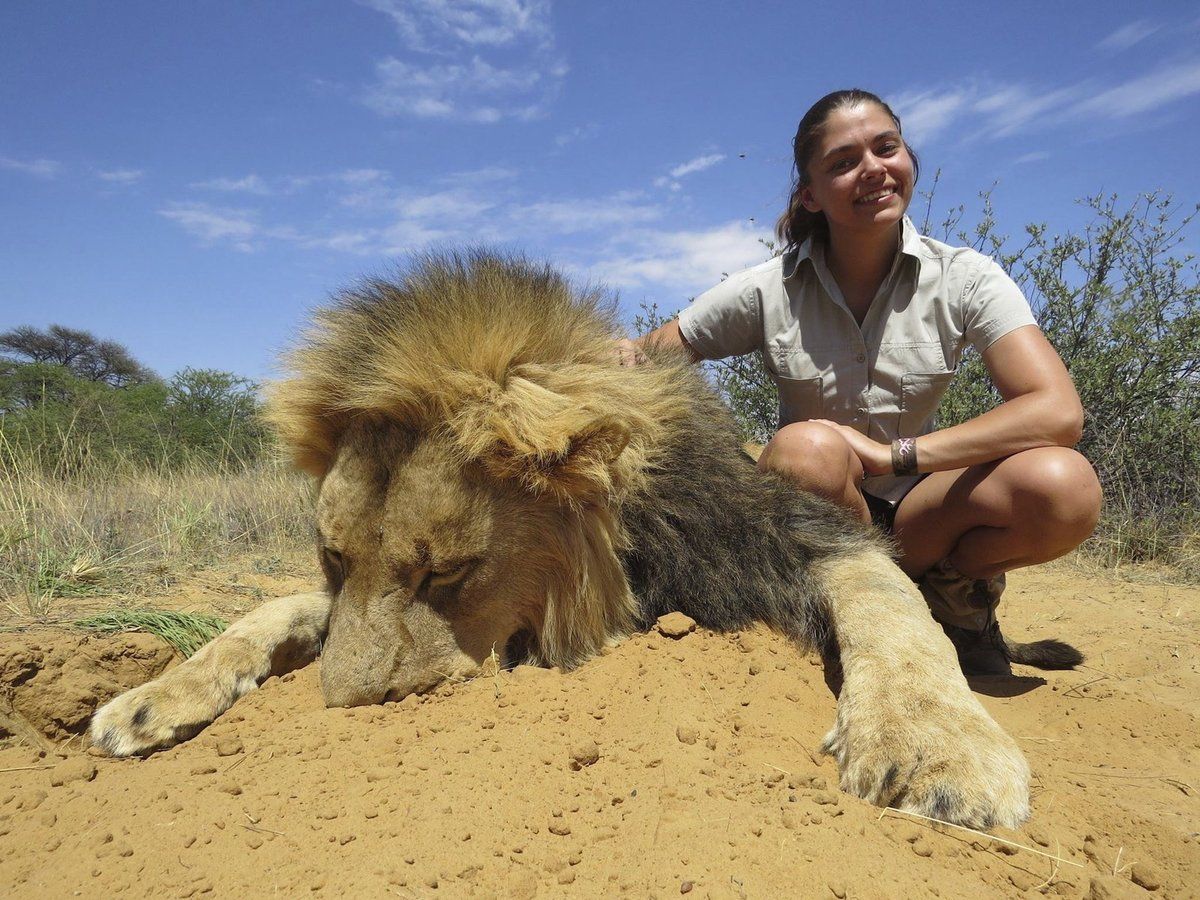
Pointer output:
x,y
574,465
544,440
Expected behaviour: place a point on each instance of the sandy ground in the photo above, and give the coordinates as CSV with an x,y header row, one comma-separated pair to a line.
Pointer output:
x,y
665,767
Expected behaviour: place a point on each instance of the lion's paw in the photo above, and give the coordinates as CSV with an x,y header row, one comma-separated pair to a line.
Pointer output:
x,y
156,715
952,763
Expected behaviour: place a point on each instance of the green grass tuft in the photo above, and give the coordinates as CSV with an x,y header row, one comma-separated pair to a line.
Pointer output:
x,y
186,632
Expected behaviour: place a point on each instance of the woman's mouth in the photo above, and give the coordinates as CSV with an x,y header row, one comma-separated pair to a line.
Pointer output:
x,y
875,196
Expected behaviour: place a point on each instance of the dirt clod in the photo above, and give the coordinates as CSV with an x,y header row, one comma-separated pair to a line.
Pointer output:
x,y
584,754
1145,875
76,768
675,625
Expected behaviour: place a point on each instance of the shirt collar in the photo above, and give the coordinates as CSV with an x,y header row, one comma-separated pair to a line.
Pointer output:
x,y
910,245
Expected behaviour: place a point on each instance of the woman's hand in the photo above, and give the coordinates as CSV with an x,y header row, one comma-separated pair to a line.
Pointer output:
x,y
876,458
628,352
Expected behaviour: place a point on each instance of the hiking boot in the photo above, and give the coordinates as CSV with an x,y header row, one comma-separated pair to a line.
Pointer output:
x,y
980,652
966,610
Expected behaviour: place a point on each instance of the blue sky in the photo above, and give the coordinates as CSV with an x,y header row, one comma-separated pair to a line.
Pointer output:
x,y
191,178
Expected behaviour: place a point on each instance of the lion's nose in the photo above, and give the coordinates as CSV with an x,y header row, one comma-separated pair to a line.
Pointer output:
x,y
358,660
341,693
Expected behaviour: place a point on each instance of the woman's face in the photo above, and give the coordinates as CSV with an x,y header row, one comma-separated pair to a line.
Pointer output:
x,y
860,175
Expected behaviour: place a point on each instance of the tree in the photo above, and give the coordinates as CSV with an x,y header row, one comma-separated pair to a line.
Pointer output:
x,y
216,413
81,352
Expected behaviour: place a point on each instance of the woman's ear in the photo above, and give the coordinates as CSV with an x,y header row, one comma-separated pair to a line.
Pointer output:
x,y
809,201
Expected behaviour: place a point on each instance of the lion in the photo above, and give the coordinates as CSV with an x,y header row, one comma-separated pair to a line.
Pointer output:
x,y
493,483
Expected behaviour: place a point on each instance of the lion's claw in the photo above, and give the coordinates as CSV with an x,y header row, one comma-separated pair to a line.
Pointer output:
x,y
953,764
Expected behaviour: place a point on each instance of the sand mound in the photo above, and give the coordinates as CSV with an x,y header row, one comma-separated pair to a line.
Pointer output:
x,y
668,766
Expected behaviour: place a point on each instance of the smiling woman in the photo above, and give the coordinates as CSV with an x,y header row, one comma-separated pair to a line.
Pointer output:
x,y
861,323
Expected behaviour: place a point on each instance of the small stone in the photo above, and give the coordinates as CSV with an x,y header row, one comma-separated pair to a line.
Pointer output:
x,y
676,625
1111,887
1146,876
584,754
559,827
825,798
1024,881
205,769
229,747
232,788
838,889
687,734
566,876
685,887
76,769
254,841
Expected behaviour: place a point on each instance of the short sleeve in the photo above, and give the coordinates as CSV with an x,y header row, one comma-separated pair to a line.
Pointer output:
x,y
993,306
725,320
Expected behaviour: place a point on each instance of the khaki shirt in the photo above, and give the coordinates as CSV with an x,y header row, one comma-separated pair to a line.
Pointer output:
x,y
884,378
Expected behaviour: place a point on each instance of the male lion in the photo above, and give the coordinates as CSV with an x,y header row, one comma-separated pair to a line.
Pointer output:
x,y
491,479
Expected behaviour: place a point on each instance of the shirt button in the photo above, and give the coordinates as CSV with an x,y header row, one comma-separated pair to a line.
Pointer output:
x,y
862,357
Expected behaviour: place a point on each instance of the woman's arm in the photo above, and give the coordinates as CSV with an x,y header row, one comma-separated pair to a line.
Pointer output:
x,y
668,335
1041,409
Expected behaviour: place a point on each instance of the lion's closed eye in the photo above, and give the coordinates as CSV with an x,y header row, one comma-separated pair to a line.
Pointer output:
x,y
446,574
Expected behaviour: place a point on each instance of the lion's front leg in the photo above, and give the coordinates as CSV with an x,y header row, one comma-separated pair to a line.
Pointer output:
x,y
909,732
278,636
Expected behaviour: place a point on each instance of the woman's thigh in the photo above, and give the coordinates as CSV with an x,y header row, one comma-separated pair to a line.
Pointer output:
x,y
1027,508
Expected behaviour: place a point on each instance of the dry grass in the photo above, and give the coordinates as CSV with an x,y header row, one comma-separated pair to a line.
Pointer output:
x,y
118,528
121,528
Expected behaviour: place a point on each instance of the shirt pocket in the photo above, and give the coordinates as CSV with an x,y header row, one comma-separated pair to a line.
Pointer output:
x,y
920,394
800,399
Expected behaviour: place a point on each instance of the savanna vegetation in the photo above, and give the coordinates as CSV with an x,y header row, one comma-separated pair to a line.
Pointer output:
x,y
113,478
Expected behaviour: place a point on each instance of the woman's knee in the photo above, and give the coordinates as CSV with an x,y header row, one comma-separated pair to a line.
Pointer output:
x,y
1058,488
813,453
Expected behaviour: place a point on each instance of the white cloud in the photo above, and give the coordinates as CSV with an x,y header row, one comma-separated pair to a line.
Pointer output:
x,y
216,225
684,262
1005,109
121,176
474,91
1128,35
248,184
1035,156
495,60
423,24
925,114
1148,92
573,216
578,133
699,164
40,168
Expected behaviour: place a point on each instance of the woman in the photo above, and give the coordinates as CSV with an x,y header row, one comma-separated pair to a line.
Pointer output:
x,y
862,322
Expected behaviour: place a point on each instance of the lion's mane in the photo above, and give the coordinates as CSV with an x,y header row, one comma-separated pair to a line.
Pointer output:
x,y
653,505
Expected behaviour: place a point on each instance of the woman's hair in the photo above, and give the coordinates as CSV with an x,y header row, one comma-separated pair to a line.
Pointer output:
x,y
797,224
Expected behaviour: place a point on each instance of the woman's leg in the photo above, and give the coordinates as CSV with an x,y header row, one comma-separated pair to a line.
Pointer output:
x,y
1028,508
818,459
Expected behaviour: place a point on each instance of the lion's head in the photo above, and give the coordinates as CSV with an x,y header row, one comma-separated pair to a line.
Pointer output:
x,y
472,434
